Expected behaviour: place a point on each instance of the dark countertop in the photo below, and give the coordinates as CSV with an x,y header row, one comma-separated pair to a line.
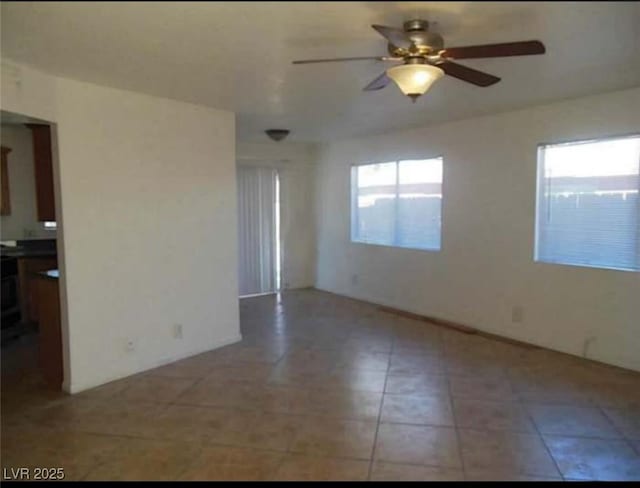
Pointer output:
x,y
51,274
31,248
29,253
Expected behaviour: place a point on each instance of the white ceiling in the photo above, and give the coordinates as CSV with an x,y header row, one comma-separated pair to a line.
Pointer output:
x,y
237,56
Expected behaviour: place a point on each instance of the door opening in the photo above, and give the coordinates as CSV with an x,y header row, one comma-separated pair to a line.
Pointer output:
x,y
259,250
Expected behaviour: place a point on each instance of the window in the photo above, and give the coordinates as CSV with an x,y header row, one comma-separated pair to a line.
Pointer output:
x,y
588,212
397,203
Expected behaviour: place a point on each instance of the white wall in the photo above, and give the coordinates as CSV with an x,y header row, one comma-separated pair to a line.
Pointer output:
x,y
148,210
23,222
486,263
296,168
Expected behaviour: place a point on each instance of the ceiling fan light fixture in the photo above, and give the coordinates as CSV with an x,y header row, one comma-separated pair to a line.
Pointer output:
x,y
415,79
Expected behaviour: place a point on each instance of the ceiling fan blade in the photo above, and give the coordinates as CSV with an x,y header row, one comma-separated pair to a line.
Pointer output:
x,y
379,83
395,36
470,75
495,50
338,60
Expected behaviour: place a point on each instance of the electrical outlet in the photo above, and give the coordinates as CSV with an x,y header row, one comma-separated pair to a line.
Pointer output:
x,y
177,331
355,279
517,314
130,345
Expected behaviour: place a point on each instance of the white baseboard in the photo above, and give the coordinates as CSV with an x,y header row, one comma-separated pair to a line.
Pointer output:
x,y
73,388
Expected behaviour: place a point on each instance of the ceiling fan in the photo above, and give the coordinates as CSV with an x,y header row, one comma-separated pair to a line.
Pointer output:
x,y
425,59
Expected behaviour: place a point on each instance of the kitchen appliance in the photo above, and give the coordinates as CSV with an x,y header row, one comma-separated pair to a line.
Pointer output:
x,y
11,319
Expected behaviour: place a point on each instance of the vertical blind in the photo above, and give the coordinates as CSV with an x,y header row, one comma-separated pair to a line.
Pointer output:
x,y
256,229
588,211
397,203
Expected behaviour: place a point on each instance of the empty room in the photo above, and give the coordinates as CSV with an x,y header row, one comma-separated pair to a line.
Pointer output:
x,y
320,241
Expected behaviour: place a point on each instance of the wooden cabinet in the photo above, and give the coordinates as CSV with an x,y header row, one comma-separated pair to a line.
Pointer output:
x,y
4,175
27,267
50,341
43,166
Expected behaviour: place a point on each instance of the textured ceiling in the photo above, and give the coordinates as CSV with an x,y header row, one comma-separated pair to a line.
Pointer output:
x,y
237,56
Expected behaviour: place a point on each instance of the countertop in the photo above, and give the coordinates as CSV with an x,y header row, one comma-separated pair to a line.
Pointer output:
x,y
28,253
50,274
29,248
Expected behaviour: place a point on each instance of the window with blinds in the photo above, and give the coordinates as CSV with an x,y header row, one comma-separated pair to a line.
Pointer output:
x,y
397,203
588,210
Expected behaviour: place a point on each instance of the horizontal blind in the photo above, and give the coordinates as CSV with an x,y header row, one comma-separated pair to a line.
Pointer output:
x,y
588,208
397,203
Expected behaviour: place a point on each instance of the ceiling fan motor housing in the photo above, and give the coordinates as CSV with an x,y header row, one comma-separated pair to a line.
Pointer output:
x,y
424,42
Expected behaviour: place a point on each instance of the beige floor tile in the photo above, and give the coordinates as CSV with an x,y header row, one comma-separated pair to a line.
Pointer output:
x,y
416,444
245,372
491,389
415,364
104,392
155,389
626,421
308,376
493,475
200,425
355,379
65,414
76,453
505,452
382,471
613,395
549,395
421,384
298,467
481,414
466,365
119,418
210,425
270,431
572,421
595,459
337,379
417,409
233,464
246,395
140,459
344,404
244,353
368,361
329,437
193,367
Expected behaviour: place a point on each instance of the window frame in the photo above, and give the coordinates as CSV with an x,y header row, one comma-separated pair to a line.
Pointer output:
x,y
353,204
540,176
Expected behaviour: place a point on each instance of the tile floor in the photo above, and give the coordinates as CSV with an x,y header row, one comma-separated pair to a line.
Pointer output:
x,y
324,387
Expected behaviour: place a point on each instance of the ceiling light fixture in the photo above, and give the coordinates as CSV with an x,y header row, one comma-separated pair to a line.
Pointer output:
x,y
277,134
414,79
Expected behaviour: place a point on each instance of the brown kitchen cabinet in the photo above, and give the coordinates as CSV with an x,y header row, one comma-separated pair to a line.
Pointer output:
x,y
27,267
5,208
47,296
43,167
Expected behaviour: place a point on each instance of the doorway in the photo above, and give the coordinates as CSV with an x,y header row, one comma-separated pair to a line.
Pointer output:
x,y
30,237
259,248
